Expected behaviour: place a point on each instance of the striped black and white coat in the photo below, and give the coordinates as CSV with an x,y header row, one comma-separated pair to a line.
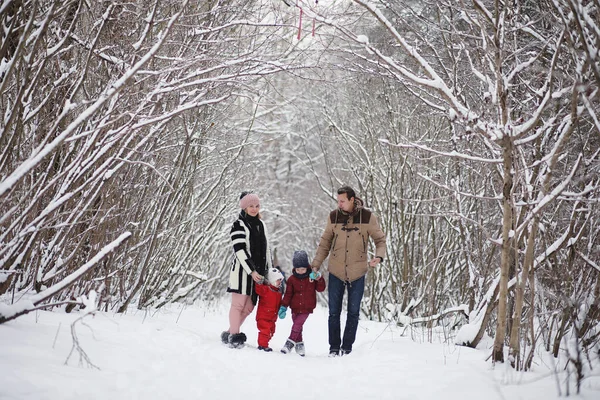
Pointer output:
x,y
242,266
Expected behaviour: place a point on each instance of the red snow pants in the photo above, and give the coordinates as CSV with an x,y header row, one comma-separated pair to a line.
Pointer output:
x,y
266,330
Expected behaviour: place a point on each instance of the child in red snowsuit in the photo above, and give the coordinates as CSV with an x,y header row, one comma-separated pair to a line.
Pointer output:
x,y
301,297
269,300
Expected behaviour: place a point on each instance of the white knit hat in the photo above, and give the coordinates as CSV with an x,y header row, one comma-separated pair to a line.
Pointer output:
x,y
273,275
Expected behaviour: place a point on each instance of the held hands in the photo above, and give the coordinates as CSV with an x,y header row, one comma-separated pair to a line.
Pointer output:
x,y
258,278
314,275
282,311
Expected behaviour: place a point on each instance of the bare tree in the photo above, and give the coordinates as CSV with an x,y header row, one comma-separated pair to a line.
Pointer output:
x,y
510,82
118,119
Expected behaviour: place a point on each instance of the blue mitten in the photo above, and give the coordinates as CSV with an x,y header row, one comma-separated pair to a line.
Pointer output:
x,y
282,311
314,275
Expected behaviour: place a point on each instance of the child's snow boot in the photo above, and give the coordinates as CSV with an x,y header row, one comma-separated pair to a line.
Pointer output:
x,y
237,340
300,349
288,346
267,349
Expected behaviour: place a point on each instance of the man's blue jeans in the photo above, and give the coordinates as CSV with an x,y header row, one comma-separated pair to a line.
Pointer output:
x,y
356,290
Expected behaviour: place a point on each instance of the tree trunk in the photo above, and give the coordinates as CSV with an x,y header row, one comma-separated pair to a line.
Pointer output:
x,y
519,297
505,258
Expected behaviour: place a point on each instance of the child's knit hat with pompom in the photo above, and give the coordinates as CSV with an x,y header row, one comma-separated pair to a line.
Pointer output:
x,y
300,259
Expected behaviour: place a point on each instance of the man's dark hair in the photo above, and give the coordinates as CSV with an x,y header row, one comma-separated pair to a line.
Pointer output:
x,y
348,190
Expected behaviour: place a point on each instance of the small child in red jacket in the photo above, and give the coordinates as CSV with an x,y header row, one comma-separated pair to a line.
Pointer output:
x,y
269,299
301,297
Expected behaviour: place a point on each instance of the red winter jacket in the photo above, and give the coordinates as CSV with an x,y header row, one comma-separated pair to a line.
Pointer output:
x,y
269,300
301,294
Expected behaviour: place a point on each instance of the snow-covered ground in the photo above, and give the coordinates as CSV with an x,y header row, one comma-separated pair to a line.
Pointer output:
x,y
177,354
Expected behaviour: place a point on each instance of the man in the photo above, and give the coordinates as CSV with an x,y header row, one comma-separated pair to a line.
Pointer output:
x,y
346,240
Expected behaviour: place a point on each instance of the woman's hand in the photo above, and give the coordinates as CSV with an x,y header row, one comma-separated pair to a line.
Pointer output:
x,y
256,276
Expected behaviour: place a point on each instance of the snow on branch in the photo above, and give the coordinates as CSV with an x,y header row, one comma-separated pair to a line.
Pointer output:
x,y
553,248
105,97
434,82
459,193
451,154
591,111
587,260
9,312
406,320
537,114
484,11
551,196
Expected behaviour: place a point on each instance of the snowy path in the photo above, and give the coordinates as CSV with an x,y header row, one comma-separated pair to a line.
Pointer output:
x,y
158,358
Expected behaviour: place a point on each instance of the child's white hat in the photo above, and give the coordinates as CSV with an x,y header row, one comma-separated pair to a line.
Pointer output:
x,y
273,275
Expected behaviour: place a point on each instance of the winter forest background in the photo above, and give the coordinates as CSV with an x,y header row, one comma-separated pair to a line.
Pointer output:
x,y
472,128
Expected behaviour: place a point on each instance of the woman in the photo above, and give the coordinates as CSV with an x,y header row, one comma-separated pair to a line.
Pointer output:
x,y
252,258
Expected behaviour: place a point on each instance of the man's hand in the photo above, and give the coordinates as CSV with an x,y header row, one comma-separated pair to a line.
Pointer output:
x,y
374,262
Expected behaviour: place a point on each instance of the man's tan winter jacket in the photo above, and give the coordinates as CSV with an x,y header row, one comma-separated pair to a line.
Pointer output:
x,y
346,241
